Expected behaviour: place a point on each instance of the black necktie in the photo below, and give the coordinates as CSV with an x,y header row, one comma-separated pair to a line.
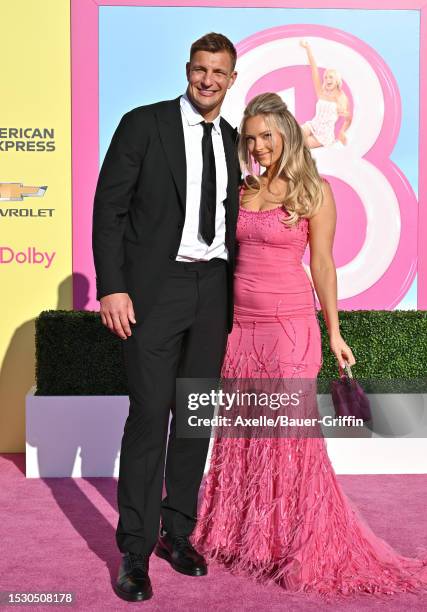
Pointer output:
x,y
208,191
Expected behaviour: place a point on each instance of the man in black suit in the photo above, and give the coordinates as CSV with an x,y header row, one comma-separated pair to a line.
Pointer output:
x,y
164,224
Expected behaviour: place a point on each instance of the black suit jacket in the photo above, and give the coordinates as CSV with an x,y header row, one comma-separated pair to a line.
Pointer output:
x,y
139,207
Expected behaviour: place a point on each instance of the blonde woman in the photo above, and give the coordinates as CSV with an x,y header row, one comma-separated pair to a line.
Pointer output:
x,y
272,507
331,104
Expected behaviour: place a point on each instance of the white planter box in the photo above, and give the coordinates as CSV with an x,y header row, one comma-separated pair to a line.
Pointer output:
x,y
81,435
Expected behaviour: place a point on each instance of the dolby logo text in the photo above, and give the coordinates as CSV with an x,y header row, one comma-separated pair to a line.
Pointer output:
x,y
28,256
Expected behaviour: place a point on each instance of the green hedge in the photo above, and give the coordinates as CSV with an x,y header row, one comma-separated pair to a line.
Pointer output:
x,y
76,355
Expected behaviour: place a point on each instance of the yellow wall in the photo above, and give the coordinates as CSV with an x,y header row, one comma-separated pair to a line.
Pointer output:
x,y
35,74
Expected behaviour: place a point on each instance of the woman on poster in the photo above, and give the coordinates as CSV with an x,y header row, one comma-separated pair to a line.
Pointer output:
x,y
332,103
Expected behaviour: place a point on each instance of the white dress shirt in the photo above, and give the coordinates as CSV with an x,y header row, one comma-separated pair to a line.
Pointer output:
x,y
193,247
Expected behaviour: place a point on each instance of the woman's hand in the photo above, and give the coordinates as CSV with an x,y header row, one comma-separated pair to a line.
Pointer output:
x,y
342,137
342,351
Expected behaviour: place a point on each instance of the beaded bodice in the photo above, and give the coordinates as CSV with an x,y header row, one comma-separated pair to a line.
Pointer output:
x,y
265,229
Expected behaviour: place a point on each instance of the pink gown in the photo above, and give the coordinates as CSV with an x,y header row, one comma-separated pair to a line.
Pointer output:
x,y
272,507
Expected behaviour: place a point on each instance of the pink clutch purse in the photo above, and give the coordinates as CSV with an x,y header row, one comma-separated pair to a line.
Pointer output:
x,y
349,398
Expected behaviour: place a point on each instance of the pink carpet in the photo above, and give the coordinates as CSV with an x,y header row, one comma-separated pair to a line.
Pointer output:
x,y
58,535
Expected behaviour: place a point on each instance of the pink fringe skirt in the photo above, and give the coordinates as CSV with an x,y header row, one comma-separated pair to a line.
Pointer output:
x,y
272,508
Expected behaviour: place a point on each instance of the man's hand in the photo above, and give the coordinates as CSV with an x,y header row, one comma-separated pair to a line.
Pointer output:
x,y
116,313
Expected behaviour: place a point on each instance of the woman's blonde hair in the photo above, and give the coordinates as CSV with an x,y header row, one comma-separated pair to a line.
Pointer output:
x,y
337,76
304,185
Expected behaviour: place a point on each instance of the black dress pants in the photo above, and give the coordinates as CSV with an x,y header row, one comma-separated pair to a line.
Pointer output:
x,y
184,335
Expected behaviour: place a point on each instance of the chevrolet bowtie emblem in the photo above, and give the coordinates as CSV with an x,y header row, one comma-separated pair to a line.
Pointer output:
x,y
16,192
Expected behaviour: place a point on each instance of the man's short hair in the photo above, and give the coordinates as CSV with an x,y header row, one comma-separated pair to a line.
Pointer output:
x,y
213,43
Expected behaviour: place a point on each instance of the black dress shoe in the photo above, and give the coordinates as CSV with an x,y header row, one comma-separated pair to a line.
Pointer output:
x,y
178,551
133,582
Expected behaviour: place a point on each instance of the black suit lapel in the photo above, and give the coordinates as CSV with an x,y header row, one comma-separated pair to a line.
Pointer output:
x,y
172,137
229,139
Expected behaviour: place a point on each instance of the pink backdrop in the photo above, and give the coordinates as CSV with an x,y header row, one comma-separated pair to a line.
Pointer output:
x,y
408,256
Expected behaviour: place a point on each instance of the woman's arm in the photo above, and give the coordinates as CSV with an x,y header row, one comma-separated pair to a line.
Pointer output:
x,y
344,111
323,273
314,70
